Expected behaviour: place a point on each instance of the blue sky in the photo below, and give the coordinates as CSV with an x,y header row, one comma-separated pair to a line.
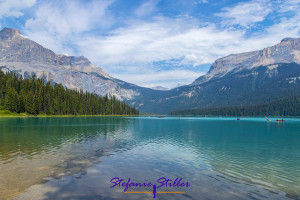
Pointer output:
x,y
153,42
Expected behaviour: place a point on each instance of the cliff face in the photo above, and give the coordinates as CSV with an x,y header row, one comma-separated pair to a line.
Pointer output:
x,y
22,55
287,51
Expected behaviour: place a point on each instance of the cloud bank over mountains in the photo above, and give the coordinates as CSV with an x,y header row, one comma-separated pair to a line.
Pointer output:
x,y
154,42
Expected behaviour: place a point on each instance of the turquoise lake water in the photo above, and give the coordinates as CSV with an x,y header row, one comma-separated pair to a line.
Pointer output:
x,y
221,158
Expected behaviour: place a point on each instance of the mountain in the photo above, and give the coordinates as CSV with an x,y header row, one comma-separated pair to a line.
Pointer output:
x,y
159,88
24,56
287,51
242,79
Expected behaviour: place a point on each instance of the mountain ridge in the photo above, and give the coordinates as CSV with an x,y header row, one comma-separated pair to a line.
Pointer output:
x,y
24,56
246,87
237,79
289,47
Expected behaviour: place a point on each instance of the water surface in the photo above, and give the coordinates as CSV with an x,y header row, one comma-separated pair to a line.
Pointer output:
x,y
221,158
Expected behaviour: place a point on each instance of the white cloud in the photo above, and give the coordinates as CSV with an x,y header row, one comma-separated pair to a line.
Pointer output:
x,y
289,5
13,8
286,27
201,1
57,23
169,78
146,8
246,14
185,39
131,51
161,40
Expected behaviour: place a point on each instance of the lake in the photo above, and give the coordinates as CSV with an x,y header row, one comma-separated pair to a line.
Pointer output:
x,y
220,158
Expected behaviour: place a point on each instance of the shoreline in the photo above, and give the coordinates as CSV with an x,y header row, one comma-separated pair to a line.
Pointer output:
x,y
45,116
23,115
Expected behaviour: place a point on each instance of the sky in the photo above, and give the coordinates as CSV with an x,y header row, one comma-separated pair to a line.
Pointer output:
x,y
153,42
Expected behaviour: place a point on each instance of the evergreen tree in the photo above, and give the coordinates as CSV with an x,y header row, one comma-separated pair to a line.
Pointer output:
x,y
35,96
29,107
283,107
21,103
36,104
12,100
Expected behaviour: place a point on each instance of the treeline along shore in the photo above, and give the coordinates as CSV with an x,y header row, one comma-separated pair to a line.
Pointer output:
x,y
284,107
36,96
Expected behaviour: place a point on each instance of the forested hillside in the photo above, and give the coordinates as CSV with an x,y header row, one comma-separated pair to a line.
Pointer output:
x,y
35,96
283,107
247,87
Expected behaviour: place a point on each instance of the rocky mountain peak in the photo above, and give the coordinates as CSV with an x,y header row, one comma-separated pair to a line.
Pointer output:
x,y
21,55
160,88
8,33
288,39
287,51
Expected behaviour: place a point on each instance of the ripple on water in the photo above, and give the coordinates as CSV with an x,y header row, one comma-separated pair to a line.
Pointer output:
x,y
249,159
